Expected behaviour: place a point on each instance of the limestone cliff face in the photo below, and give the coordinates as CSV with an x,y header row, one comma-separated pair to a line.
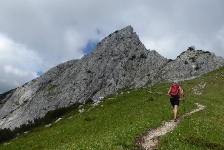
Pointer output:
x,y
118,61
191,63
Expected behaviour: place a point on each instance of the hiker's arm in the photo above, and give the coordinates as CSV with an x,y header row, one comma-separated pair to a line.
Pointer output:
x,y
169,90
181,91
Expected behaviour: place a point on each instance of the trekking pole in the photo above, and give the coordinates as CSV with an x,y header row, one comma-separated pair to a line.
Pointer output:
x,y
183,101
184,104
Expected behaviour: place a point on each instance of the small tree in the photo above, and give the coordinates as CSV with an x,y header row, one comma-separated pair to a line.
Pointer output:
x,y
191,48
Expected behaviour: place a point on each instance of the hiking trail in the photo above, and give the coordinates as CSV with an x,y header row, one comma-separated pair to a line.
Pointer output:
x,y
150,139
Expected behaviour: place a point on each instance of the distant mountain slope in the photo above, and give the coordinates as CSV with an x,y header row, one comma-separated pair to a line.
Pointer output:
x,y
118,61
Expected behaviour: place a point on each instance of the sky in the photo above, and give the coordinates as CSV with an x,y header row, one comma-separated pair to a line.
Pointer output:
x,y
38,35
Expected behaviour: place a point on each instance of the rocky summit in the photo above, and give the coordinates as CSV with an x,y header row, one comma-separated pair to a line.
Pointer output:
x,y
119,61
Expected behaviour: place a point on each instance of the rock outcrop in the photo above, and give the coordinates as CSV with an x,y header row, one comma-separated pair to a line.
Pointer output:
x,y
191,63
118,61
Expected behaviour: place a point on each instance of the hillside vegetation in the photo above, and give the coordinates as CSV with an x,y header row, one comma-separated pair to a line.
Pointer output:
x,y
117,121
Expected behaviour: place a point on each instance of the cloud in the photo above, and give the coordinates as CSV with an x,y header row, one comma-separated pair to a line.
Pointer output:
x,y
17,64
37,35
15,71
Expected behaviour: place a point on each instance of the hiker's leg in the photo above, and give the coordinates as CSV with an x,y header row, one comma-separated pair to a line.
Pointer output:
x,y
175,110
174,103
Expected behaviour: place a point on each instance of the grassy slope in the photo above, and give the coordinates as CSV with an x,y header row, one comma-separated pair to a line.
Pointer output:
x,y
204,129
116,123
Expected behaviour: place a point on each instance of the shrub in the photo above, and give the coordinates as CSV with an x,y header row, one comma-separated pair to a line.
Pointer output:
x,y
143,56
132,57
151,99
7,134
191,48
193,59
89,100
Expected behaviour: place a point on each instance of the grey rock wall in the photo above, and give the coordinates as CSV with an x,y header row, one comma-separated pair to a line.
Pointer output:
x,y
191,63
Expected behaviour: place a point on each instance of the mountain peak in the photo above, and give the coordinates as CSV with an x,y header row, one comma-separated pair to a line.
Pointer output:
x,y
127,28
119,61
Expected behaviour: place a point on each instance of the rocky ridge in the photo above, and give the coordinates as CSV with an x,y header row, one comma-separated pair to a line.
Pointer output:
x,y
191,63
118,61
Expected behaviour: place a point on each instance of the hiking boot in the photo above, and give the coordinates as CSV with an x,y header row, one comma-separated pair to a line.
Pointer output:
x,y
175,120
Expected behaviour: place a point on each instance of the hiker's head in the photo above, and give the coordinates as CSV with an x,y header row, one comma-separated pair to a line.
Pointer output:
x,y
175,81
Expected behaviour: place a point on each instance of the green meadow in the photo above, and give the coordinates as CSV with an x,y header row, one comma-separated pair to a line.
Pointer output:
x,y
119,119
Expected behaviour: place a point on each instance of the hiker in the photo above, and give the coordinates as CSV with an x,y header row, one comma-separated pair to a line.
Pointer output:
x,y
174,91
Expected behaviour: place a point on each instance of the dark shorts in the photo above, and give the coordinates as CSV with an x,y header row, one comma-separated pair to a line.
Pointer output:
x,y
174,101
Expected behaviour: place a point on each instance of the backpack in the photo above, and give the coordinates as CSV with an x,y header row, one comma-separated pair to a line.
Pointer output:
x,y
174,92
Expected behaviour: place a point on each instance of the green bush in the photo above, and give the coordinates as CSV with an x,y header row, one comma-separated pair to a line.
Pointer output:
x,y
132,57
7,134
89,100
191,48
151,99
143,56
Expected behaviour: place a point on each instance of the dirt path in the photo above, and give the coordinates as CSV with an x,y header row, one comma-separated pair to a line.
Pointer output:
x,y
150,139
